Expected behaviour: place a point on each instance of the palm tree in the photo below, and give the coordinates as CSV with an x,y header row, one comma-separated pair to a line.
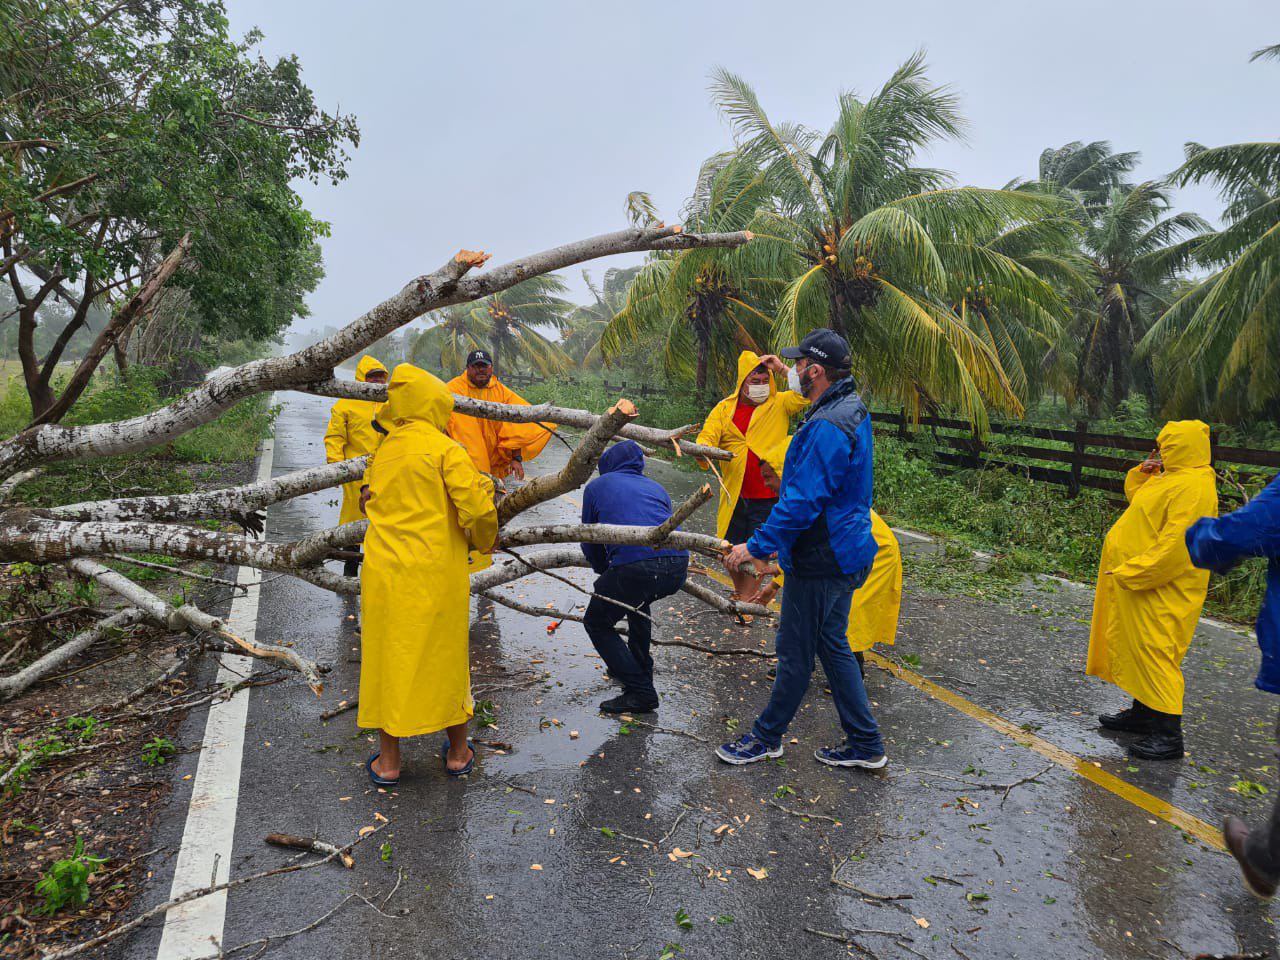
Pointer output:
x,y
507,324
1219,343
866,242
586,324
702,306
1134,247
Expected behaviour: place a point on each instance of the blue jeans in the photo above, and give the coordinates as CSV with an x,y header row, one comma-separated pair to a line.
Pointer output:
x,y
637,585
815,619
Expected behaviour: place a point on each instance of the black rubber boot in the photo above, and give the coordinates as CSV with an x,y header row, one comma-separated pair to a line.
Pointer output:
x,y
1164,742
1136,719
630,703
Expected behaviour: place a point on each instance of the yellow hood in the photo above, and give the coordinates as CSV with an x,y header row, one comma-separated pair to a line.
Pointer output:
x,y
414,394
776,455
366,366
1185,443
748,361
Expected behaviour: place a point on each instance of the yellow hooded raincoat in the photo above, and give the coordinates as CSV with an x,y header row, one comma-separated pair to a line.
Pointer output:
x,y
769,424
1149,596
873,616
350,434
492,442
428,504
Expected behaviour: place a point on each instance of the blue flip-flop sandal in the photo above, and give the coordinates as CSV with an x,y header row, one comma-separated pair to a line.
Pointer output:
x,y
376,779
444,755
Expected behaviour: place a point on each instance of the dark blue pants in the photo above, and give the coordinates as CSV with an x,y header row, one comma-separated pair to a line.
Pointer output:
x,y
636,584
815,619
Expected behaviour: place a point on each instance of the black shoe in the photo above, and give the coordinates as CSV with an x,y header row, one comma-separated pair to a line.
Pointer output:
x,y
1163,744
772,674
1132,720
1262,886
630,703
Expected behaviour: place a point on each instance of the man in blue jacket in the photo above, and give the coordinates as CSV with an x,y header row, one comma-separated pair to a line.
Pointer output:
x,y
1219,544
634,576
820,530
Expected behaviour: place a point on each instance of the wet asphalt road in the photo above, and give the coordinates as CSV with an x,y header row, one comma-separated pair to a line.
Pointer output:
x,y
484,868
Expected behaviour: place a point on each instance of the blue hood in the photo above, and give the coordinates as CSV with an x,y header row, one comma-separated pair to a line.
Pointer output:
x,y
625,456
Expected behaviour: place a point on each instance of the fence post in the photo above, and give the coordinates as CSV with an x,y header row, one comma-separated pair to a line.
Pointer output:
x,y
1077,454
975,450
902,426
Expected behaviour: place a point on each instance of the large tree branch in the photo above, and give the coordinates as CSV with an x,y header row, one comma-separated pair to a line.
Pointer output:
x,y
577,469
527,413
17,683
49,442
107,336
231,502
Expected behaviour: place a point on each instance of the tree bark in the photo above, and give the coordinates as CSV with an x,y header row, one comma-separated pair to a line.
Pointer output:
x,y
107,337
47,442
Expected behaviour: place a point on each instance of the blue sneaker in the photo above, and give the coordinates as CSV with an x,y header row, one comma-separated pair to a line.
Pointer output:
x,y
748,748
849,756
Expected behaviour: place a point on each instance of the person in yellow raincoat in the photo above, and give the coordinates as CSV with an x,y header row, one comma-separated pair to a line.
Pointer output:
x,y
497,448
755,417
1149,595
350,434
873,616
427,506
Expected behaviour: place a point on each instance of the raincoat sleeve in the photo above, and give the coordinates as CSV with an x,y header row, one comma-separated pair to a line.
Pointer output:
x,y
710,433
472,496
335,436
1133,481
595,553
1167,558
527,439
1251,531
813,480
792,402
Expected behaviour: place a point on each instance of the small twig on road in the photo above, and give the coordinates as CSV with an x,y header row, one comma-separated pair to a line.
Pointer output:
x,y
399,880
532,791
342,707
1006,787
311,844
805,816
841,938
615,833
667,836
837,866
669,730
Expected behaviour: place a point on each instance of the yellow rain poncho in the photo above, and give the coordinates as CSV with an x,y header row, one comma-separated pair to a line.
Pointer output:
x,y
1149,596
492,442
873,616
427,504
350,434
768,427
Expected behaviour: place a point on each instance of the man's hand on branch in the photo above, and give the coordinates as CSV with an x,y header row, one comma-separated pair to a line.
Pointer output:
x,y
365,493
738,554
517,468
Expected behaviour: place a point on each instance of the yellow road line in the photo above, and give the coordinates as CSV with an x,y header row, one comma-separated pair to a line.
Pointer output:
x,y
1162,809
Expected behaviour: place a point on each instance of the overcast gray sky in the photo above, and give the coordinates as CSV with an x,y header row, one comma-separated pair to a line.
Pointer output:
x,y
515,126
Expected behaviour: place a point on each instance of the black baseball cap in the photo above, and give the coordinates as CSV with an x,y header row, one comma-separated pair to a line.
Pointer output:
x,y
825,346
479,356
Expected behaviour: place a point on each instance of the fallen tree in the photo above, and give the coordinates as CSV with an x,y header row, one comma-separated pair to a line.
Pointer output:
x,y
166,525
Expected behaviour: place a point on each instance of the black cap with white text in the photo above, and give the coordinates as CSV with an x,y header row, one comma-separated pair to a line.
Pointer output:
x,y
479,356
825,346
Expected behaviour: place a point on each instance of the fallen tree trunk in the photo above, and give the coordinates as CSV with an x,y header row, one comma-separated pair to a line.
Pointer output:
x,y
47,443
654,437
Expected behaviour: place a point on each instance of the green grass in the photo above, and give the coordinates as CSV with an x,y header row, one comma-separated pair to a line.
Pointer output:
x,y
174,467
1031,527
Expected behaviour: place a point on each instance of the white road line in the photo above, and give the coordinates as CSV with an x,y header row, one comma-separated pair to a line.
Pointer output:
x,y
194,929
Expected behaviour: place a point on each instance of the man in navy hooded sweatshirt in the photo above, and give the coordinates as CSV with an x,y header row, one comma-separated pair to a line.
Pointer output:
x,y
1219,544
635,576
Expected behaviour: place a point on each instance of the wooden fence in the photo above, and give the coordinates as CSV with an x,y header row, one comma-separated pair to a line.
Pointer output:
x,y
1074,458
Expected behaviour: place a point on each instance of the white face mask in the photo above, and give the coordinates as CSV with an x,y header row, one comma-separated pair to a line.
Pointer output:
x,y
793,381
757,392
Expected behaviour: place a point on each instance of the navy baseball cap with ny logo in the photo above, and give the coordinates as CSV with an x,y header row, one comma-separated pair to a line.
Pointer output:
x,y
479,356
825,346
